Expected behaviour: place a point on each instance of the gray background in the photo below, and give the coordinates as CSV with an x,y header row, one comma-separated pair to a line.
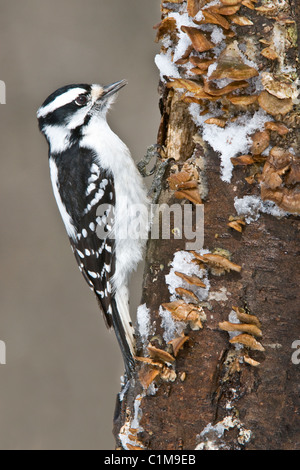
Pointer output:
x,y
63,369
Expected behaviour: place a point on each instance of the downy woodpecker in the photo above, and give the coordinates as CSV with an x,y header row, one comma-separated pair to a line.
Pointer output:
x,y
100,196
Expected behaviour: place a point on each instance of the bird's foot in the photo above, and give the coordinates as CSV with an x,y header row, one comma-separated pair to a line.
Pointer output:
x,y
158,170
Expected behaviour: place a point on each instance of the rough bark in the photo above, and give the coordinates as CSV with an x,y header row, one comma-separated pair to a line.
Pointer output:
x,y
214,395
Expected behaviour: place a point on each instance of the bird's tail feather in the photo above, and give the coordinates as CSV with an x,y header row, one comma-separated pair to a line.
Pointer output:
x,y
123,328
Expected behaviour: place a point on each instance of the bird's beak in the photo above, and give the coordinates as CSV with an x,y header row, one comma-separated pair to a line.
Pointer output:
x,y
111,89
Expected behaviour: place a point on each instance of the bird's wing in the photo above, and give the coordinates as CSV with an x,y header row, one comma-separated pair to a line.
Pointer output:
x,y
93,245
89,195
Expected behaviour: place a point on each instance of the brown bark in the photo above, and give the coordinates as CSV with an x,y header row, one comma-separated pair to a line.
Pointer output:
x,y
220,398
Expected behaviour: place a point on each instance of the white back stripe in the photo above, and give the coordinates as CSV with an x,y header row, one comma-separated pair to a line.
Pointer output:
x,y
71,231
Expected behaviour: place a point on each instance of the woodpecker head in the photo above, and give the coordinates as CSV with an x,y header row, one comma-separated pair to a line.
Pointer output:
x,y
66,111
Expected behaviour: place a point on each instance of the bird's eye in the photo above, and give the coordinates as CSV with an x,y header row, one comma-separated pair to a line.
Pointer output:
x,y
81,100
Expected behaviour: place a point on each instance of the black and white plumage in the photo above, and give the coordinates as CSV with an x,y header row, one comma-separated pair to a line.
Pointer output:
x,y
100,196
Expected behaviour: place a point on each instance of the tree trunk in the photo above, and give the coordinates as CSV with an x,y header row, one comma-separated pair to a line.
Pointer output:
x,y
218,366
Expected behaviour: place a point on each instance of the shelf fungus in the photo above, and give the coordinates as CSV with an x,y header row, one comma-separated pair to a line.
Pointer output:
x,y
244,327
273,105
182,311
213,18
260,141
196,71
226,10
166,27
193,6
202,64
220,122
280,180
247,340
241,20
218,264
231,2
246,317
147,375
160,355
249,4
242,100
190,194
185,185
192,87
182,180
193,280
156,366
200,42
278,127
231,65
249,327
236,223
251,361
177,343
269,53
242,160
268,9
187,294
233,86
279,86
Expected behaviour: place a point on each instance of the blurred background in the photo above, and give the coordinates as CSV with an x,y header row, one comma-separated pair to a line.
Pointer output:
x,y
58,388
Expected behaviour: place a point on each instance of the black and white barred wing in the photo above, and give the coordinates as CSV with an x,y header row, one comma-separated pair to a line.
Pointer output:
x,y
93,245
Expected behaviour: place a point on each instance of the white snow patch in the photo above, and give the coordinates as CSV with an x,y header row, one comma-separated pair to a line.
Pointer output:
x,y
165,66
252,206
184,41
211,438
217,35
219,296
231,141
152,389
135,423
199,16
126,430
182,262
172,328
144,323
212,4
212,68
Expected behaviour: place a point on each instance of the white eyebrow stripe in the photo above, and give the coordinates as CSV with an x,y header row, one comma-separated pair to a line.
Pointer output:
x,y
60,101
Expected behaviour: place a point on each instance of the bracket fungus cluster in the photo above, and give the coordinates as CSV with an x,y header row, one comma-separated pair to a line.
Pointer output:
x,y
224,71
247,329
280,180
185,183
217,263
186,311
